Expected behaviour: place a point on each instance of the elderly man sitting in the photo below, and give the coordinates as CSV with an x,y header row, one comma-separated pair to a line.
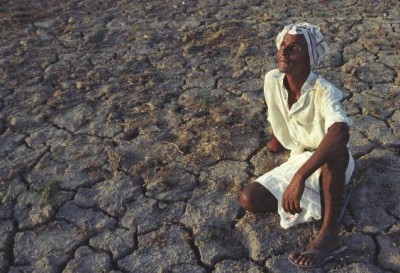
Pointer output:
x,y
307,118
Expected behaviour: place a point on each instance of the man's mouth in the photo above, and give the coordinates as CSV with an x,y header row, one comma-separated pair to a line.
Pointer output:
x,y
283,62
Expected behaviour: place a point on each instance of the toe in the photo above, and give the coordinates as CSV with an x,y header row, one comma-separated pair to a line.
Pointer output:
x,y
299,260
294,255
309,261
304,261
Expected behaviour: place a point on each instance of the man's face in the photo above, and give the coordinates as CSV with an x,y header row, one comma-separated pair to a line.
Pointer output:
x,y
293,54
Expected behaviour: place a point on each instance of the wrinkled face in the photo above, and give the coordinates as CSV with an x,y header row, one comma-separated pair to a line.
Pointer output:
x,y
293,55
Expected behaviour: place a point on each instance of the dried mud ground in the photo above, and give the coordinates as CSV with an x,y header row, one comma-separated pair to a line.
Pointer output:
x,y
128,128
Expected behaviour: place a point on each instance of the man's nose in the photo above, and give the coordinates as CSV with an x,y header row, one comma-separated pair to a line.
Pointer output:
x,y
284,50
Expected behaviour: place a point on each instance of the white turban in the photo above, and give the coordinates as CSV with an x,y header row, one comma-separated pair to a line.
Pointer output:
x,y
317,46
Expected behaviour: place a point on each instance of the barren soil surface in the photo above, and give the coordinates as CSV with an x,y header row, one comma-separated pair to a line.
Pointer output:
x,y
128,128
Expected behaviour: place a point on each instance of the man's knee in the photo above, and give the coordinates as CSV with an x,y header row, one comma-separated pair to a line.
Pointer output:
x,y
246,198
256,198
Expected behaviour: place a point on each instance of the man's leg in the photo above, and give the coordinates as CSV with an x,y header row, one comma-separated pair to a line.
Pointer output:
x,y
274,145
256,198
333,181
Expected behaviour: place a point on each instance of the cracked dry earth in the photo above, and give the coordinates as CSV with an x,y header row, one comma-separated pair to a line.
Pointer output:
x,y
128,128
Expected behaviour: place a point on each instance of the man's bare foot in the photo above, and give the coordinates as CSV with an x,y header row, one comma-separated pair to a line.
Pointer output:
x,y
320,248
274,145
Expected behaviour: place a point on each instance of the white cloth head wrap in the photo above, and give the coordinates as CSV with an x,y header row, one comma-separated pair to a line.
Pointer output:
x,y
317,46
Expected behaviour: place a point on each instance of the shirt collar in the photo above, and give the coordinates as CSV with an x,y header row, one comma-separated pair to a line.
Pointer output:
x,y
308,84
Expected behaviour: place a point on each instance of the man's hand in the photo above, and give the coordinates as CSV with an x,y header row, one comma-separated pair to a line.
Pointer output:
x,y
292,195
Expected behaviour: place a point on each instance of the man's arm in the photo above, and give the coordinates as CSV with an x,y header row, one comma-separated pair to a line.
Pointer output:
x,y
336,138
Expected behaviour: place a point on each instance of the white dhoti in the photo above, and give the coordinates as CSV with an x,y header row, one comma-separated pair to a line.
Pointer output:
x,y
279,178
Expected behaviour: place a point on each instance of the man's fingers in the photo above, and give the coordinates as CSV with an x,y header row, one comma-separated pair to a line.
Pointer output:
x,y
290,204
284,205
292,208
297,207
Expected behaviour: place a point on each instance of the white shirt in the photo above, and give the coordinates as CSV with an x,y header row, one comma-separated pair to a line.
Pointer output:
x,y
303,126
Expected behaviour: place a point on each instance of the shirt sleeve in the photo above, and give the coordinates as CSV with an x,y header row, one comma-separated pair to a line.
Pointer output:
x,y
332,108
269,82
